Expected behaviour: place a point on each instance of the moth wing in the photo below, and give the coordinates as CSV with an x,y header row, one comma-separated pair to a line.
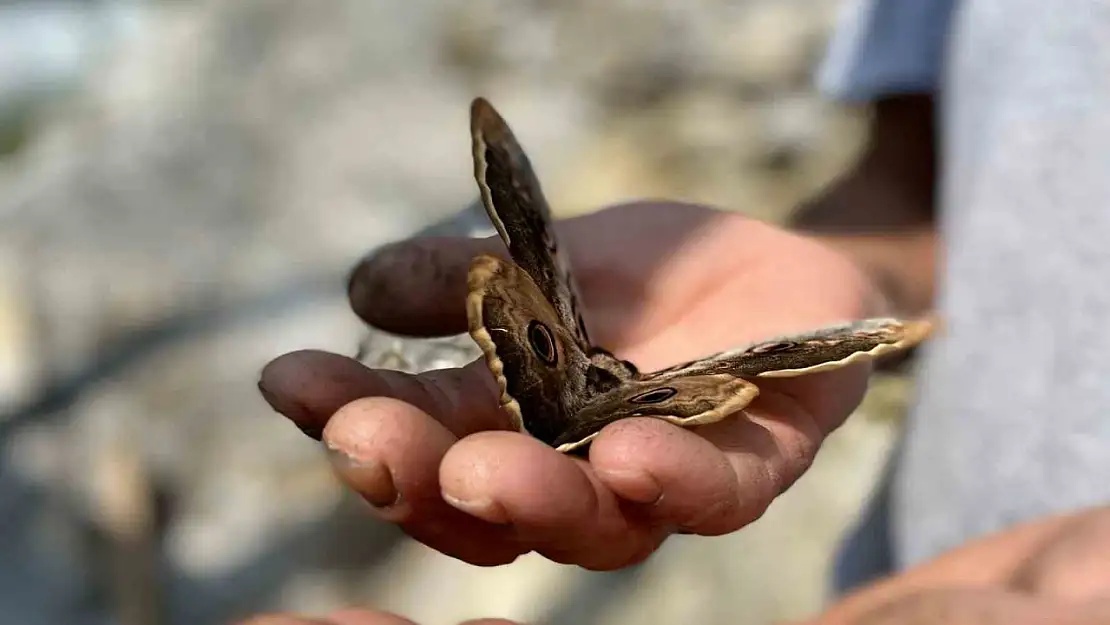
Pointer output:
x,y
685,400
539,368
709,389
824,349
515,203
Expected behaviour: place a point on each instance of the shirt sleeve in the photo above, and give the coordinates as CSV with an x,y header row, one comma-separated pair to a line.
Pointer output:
x,y
886,47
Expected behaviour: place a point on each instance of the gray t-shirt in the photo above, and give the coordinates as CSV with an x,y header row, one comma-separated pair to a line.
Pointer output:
x,y
1012,419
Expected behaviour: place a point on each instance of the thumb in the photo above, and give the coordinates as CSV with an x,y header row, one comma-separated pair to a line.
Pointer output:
x,y
417,287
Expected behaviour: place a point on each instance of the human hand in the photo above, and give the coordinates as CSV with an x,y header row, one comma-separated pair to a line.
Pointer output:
x,y
1049,570
350,617
662,283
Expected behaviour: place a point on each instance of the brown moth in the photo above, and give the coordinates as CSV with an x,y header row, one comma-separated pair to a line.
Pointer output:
x,y
563,390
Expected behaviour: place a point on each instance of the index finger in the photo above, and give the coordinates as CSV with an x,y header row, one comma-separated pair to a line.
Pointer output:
x,y
310,386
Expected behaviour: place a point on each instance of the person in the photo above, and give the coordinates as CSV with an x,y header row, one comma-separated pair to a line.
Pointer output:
x,y
987,150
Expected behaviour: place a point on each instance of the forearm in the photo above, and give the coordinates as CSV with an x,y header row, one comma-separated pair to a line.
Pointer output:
x,y
881,212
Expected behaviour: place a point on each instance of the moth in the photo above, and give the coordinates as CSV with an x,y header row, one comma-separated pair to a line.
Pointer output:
x,y
555,384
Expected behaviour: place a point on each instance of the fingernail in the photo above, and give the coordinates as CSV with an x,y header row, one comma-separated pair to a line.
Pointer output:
x,y
370,479
707,515
637,486
315,432
484,508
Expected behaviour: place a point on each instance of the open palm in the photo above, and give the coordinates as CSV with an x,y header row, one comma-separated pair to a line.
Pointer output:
x,y
662,283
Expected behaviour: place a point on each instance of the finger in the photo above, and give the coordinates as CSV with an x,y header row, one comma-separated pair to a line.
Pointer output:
x,y
680,479
828,398
290,619
720,477
366,617
554,503
390,452
309,386
418,287
783,429
1073,565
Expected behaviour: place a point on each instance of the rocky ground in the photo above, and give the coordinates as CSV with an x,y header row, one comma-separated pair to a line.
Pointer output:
x,y
191,212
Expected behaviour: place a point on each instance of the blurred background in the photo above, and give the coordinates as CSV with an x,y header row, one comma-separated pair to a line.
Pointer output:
x,y
184,185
